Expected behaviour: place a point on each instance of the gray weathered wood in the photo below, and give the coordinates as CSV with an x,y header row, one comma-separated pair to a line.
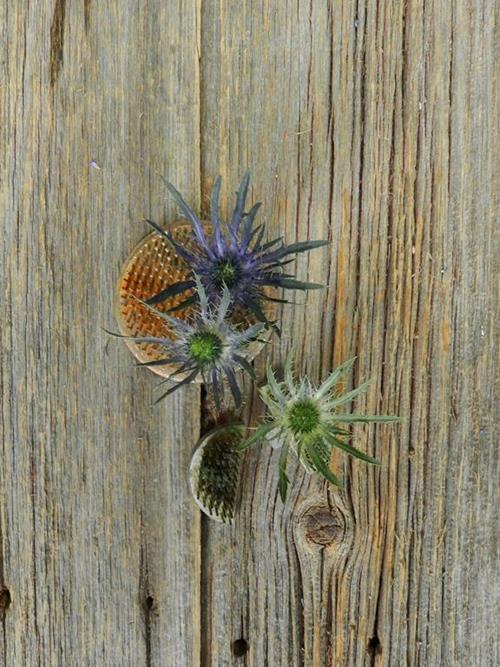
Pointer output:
x,y
373,124
100,540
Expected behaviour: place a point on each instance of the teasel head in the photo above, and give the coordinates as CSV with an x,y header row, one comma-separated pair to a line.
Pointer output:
x,y
206,346
305,419
235,254
215,472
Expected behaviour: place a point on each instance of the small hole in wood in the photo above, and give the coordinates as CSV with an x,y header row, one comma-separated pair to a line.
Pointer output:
x,y
5,599
374,646
148,602
240,647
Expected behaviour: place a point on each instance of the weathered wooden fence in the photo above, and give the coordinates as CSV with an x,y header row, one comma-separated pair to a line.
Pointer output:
x,y
371,123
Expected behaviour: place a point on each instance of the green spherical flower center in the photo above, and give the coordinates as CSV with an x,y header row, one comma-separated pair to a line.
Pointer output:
x,y
205,347
226,272
303,416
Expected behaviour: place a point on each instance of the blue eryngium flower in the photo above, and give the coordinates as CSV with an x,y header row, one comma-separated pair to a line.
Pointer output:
x,y
234,254
207,346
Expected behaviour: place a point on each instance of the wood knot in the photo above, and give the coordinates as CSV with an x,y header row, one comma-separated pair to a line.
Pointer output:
x,y
323,525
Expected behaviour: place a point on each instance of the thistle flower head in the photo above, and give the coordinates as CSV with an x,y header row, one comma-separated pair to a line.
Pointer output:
x,y
234,254
207,346
304,418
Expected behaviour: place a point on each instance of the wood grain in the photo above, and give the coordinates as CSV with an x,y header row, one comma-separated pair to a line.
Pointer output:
x,y
100,539
372,124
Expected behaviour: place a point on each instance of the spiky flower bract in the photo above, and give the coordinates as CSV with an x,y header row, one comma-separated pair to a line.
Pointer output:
x,y
207,346
304,419
235,254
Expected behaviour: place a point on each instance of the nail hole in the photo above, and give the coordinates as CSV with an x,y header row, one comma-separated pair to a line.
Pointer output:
x,y
5,599
374,646
240,647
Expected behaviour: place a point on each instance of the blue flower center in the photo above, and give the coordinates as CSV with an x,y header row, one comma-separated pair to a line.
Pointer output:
x,y
226,272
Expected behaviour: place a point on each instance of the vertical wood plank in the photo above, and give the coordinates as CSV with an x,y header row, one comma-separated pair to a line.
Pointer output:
x,y
363,122
99,538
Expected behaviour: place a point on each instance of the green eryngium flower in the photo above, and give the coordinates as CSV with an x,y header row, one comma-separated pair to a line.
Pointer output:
x,y
305,419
